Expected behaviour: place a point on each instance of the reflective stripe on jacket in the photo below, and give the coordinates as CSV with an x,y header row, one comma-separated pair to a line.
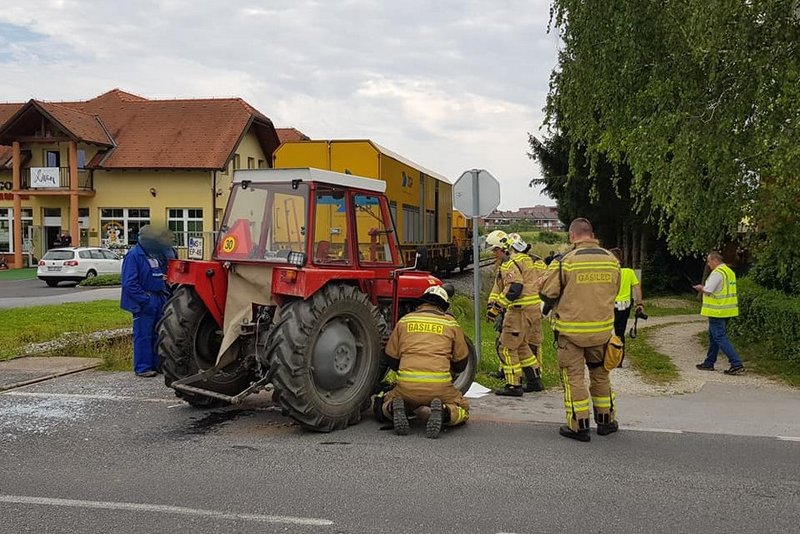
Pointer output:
x,y
724,302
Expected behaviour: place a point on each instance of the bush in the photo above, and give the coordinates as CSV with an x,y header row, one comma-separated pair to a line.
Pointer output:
x,y
102,280
769,316
551,238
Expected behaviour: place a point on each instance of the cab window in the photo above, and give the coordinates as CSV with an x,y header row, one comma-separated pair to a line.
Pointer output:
x,y
371,230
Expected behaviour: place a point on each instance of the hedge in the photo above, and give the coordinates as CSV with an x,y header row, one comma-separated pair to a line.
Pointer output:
x,y
769,316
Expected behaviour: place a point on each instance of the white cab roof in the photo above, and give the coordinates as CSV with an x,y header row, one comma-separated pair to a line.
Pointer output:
x,y
308,175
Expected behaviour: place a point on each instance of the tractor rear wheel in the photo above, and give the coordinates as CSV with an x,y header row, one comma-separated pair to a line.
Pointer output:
x,y
325,354
188,342
463,380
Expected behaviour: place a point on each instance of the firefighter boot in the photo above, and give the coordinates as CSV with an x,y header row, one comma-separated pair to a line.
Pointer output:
x,y
509,391
435,420
580,435
401,427
605,425
533,378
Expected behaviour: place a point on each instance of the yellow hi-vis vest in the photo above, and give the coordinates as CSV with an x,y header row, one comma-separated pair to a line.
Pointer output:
x,y
724,302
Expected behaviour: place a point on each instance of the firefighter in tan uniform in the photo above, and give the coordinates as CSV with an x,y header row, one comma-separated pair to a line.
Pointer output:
x,y
424,348
514,295
582,286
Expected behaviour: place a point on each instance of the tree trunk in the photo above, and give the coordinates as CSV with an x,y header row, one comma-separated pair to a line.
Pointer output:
x,y
625,250
643,247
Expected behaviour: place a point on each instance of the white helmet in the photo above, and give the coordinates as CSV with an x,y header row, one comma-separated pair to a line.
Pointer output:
x,y
436,295
498,239
517,243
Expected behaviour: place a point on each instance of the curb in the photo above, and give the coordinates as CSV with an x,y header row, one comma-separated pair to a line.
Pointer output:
x,y
14,385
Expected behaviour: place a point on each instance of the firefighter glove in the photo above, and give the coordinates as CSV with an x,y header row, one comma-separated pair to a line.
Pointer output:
x,y
493,311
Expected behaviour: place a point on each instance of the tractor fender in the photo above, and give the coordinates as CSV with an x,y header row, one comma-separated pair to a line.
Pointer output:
x,y
209,279
412,284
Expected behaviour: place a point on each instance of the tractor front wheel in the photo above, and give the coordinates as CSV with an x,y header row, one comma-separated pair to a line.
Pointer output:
x,y
188,341
463,380
325,354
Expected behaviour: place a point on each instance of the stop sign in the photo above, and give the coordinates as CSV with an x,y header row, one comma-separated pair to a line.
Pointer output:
x,y
476,193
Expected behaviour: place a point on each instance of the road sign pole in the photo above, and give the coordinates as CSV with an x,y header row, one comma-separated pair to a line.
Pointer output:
x,y
476,260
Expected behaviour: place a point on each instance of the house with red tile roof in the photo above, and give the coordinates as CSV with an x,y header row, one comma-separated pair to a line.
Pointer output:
x,y
542,217
102,168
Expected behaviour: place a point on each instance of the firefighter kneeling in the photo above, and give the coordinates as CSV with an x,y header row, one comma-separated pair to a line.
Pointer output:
x,y
424,348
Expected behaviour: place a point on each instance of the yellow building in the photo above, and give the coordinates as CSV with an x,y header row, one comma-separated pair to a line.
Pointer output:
x,y
100,169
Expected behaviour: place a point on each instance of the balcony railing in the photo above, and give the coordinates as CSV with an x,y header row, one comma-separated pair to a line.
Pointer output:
x,y
62,182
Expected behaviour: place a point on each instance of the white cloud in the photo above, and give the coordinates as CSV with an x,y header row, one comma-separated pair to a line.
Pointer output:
x,y
450,84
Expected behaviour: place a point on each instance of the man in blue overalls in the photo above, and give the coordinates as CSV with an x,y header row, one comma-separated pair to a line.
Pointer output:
x,y
144,292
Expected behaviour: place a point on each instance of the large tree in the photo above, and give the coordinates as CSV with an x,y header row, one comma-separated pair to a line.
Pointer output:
x,y
700,100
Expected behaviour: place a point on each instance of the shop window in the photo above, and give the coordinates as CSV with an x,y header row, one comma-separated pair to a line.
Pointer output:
x,y
119,227
7,229
185,223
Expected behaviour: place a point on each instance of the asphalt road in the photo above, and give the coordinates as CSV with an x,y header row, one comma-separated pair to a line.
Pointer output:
x,y
19,293
106,452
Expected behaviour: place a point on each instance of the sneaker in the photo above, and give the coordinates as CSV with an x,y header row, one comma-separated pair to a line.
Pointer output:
x,y
581,435
399,418
435,420
704,367
734,370
610,428
147,374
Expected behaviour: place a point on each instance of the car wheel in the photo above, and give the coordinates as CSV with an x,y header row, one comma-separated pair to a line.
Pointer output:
x,y
51,283
91,274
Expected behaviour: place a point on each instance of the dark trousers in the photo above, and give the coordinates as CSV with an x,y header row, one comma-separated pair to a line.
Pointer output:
x,y
621,322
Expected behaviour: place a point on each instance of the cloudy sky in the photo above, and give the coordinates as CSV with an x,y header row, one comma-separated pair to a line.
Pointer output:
x,y
452,85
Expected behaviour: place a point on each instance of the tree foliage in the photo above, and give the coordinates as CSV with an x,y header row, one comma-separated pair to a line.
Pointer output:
x,y
700,101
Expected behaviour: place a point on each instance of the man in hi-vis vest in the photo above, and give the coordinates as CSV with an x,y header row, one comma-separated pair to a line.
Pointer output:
x,y
719,304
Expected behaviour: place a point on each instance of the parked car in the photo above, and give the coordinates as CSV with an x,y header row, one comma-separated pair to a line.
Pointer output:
x,y
73,264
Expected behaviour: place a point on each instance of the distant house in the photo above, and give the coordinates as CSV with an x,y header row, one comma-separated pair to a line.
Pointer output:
x,y
542,217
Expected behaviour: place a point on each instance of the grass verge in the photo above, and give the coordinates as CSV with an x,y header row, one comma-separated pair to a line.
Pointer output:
x,y
759,359
462,309
37,324
672,305
116,352
652,366
102,280
18,274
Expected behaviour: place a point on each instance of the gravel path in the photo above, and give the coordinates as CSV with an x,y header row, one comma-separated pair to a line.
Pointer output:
x,y
678,340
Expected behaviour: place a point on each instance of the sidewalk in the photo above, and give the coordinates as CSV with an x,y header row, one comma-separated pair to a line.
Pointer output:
x,y
699,401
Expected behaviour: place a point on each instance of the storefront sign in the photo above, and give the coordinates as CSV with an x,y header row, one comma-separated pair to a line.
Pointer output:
x,y
45,177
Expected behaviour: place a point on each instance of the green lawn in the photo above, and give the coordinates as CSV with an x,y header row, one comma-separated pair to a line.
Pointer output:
x,y
671,305
36,324
462,309
18,274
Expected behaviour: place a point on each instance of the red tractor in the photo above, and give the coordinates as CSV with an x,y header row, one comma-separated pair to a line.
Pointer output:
x,y
305,281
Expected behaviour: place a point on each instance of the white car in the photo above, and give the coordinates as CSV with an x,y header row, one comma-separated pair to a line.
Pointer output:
x,y
74,264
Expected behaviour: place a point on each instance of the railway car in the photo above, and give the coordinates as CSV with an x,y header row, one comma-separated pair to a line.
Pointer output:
x,y
421,201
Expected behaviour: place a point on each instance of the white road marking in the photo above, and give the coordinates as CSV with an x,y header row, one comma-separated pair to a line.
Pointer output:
x,y
663,430
84,396
788,438
137,507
